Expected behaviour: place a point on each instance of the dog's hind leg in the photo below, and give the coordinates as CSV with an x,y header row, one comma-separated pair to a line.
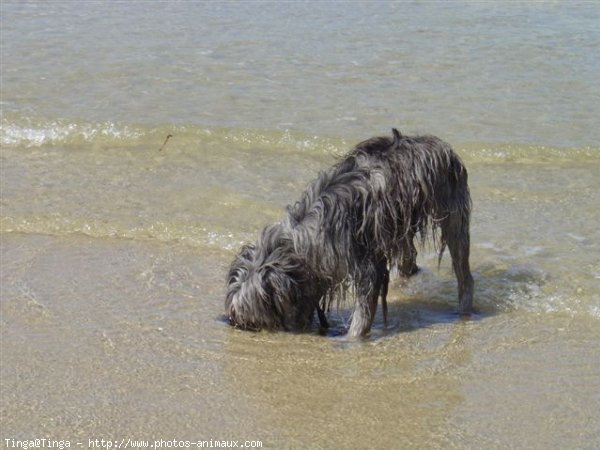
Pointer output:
x,y
455,234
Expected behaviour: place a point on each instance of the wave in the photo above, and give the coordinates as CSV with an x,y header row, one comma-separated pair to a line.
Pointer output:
x,y
23,132
30,133
194,235
526,154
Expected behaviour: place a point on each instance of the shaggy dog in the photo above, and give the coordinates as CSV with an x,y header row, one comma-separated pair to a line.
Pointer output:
x,y
349,224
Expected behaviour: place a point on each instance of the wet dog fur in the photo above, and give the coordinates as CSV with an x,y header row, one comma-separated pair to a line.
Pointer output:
x,y
352,223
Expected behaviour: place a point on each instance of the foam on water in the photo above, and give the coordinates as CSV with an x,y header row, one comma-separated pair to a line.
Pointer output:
x,y
38,134
17,131
21,131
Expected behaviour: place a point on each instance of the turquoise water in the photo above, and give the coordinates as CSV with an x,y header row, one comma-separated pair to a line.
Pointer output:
x,y
115,241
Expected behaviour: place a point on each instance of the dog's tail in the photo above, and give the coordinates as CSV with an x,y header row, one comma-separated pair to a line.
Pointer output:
x,y
397,137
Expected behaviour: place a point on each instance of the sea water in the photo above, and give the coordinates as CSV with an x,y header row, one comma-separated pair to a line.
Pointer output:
x,y
116,239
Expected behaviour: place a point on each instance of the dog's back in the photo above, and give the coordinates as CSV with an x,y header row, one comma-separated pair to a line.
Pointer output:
x,y
386,191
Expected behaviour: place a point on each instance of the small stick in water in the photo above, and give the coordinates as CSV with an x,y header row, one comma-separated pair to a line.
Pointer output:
x,y
165,143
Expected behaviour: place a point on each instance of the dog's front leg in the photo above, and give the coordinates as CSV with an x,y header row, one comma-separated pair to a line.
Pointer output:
x,y
322,317
408,260
383,280
368,286
362,317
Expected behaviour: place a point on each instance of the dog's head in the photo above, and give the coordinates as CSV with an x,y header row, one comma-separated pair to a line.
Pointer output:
x,y
269,285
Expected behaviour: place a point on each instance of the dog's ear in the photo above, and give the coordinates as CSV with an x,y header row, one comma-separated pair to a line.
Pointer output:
x,y
247,252
397,137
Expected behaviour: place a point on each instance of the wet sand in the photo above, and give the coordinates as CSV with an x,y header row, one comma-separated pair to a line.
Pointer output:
x,y
122,339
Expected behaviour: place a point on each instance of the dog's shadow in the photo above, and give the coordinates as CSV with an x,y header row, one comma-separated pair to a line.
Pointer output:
x,y
429,298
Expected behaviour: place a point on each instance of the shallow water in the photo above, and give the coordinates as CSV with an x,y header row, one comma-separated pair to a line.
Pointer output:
x,y
114,250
